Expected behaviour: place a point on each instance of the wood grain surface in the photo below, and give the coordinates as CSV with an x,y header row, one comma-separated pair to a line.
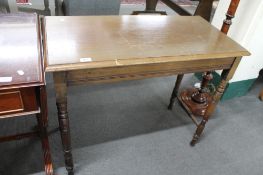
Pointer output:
x,y
107,41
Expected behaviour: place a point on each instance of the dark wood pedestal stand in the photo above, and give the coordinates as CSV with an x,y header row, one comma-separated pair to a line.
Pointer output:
x,y
197,100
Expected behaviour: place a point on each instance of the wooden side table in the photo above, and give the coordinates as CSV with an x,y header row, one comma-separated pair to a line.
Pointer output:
x,y
104,49
22,85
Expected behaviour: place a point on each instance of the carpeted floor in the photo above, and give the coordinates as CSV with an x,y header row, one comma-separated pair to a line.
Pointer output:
x,y
125,128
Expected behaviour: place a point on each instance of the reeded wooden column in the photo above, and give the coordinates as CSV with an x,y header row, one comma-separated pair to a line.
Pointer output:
x,y
42,119
60,83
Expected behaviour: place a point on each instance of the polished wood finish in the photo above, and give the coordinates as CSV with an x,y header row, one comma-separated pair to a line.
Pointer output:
x,y
197,100
42,119
22,100
20,44
230,15
103,49
10,102
131,40
22,86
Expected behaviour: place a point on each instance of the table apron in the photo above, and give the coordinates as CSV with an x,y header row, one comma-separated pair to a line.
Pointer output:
x,y
142,71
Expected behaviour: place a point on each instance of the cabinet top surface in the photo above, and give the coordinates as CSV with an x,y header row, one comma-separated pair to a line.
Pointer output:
x,y
101,41
20,61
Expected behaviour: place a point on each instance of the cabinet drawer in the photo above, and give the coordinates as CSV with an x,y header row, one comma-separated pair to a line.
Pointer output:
x,y
11,102
17,101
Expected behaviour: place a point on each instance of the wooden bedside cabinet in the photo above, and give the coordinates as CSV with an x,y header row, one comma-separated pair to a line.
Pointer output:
x,y
22,84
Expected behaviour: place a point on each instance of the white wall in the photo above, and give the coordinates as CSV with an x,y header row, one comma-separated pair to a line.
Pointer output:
x,y
247,30
12,6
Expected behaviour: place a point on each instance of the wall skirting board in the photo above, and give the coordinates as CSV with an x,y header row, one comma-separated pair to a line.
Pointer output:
x,y
233,89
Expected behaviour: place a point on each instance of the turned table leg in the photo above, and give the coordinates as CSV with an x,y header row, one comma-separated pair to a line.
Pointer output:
x,y
225,77
61,101
209,111
175,90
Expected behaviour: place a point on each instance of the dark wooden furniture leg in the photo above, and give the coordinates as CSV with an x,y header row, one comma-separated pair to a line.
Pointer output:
x,y
204,9
47,9
42,119
58,8
6,5
25,93
61,102
175,90
225,77
150,8
151,5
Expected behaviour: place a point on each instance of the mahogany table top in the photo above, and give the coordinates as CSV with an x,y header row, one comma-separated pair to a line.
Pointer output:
x,y
20,58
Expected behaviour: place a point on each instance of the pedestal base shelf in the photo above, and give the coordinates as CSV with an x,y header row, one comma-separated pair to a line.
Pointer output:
x,y
195,108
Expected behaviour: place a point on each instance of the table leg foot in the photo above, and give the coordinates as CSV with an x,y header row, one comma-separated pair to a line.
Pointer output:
x,y
198,132
45,147
65,136
194,140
